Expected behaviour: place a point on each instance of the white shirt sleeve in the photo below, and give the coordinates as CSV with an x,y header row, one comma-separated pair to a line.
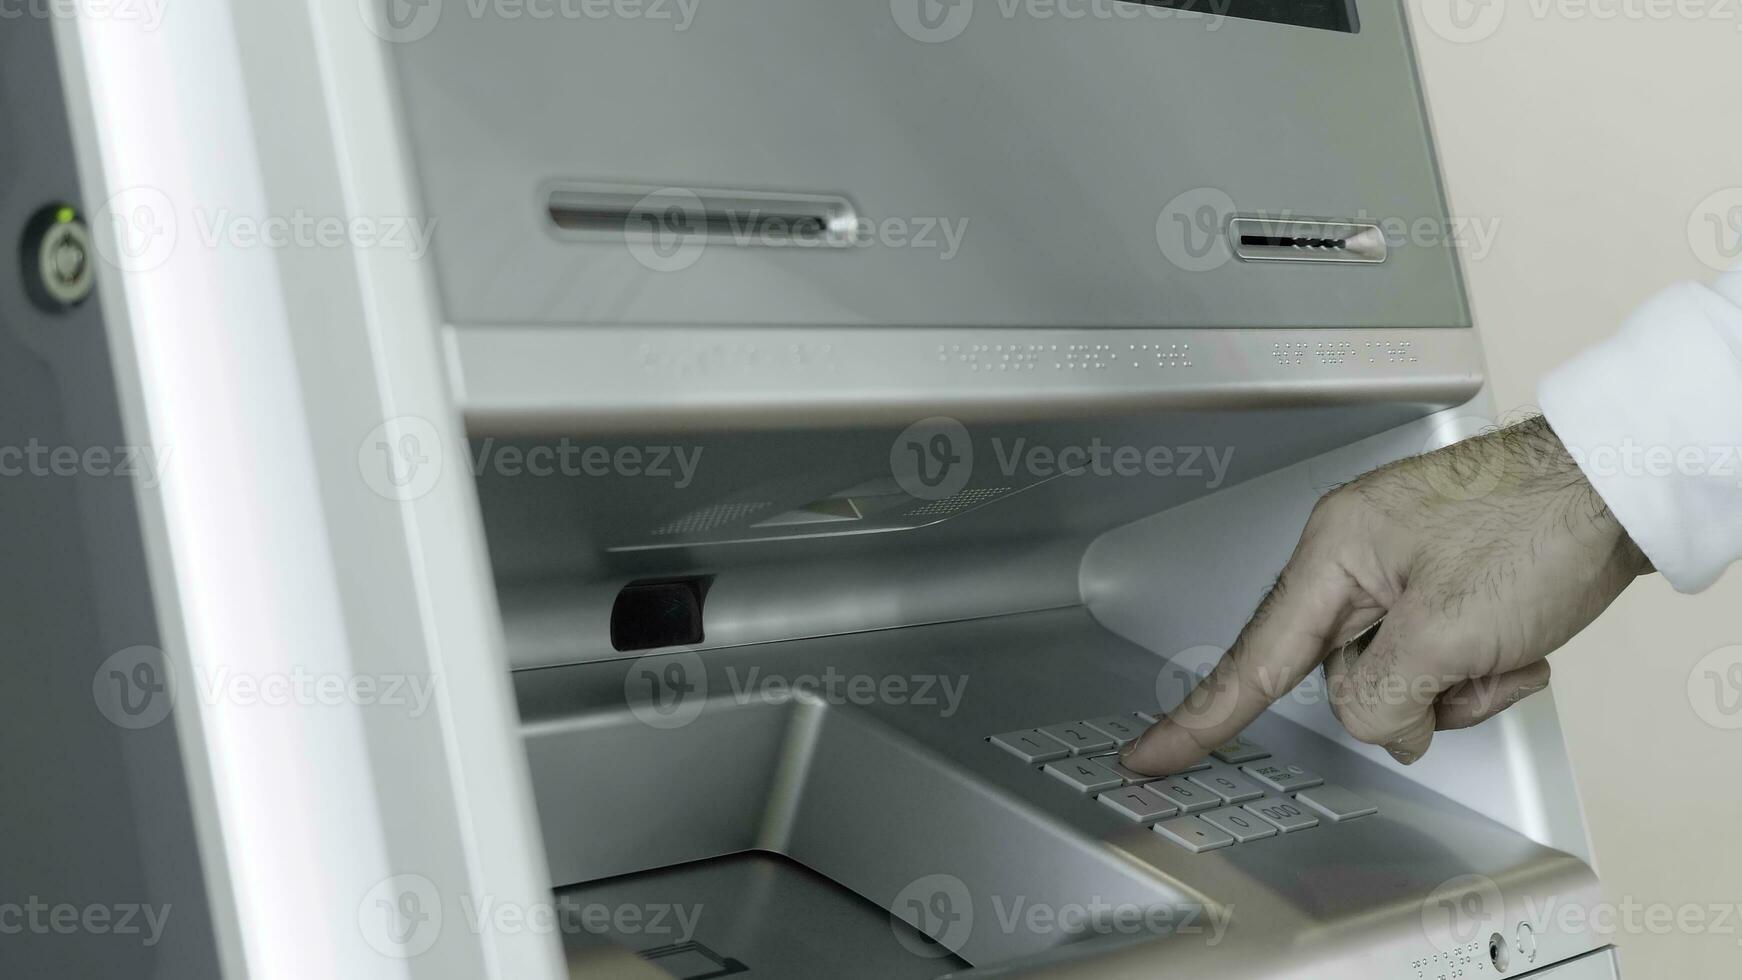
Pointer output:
x,y
1653,416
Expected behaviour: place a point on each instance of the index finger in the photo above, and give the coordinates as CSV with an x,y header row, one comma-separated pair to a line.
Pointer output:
x,y
1286,638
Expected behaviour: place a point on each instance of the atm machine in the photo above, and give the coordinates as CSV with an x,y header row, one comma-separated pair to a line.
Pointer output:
x,y
739,470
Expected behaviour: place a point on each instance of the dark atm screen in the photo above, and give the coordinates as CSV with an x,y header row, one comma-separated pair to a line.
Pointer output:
x,y
1330,15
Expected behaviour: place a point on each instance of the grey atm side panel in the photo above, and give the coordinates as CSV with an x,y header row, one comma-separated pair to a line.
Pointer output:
x,y
97,814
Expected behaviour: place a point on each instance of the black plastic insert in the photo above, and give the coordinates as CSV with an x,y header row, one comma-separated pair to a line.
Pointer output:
x,y
1328,15
665,613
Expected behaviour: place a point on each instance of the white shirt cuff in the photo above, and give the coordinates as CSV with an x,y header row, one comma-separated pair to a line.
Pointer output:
x,y
1653,416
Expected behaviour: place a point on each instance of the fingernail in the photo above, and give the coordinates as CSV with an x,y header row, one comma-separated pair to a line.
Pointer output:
x,y
1402,755
1128,748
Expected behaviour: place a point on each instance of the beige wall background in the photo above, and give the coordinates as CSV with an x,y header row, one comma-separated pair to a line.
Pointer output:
x,y
1592,137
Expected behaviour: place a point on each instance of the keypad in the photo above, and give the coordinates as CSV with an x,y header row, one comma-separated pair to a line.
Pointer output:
x,y
1190,798
1286,814
1086,775
1078,737
1245,796
1134,803
1240,825
1336,803
1193,834
1131,776
1282,777
1238,750
1228,784
1122,729
1032,745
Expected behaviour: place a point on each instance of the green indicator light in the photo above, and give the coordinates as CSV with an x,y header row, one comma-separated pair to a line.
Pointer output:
x,y
64,215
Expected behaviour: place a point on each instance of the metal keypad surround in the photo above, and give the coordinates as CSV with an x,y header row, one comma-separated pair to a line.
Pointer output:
x,y
1245,796
930,778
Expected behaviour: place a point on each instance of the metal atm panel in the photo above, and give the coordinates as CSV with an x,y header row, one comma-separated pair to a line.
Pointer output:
x,y
1009,165
1075,149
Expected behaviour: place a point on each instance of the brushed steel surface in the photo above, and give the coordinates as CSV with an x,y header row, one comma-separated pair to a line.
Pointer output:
x,y
1062,151
878,793
553,540
519,380
1184,581
105,800
773,916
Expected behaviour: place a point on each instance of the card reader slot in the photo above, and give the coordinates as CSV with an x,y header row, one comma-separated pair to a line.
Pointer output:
x,y
680,214
1292,240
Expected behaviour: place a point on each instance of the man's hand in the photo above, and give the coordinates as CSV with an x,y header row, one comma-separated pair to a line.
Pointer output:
x,y
1481,559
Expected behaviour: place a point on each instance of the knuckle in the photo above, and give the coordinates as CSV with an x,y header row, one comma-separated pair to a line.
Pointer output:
x,y
1340,711
1362,723
1365,728
1330,506
1336,509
